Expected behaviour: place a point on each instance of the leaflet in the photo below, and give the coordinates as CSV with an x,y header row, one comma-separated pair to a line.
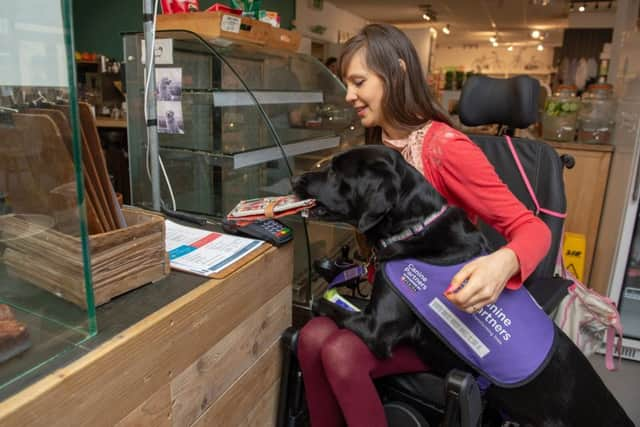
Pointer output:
x,y
205,252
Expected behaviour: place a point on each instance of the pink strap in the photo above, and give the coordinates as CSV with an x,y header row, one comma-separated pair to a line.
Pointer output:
x,y
611,334
613,330
528,184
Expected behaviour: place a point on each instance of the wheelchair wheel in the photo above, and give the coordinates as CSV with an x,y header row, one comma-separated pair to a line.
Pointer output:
x,y
399,414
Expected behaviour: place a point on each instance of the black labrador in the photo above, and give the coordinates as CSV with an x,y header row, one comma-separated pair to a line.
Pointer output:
x,y
374,189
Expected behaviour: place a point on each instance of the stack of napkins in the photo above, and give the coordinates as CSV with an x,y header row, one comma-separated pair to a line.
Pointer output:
x,y
248,211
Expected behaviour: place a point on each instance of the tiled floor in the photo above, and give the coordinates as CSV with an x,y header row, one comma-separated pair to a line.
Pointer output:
x,y
623,383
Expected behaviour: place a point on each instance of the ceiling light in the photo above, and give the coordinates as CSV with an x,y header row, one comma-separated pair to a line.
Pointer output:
x,y
446,29
495,44
492,39
540,47
535,34
582,8
510,48
426,17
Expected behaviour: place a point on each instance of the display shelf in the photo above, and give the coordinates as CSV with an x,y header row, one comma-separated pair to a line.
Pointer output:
x,y
237,98
256,157
251,118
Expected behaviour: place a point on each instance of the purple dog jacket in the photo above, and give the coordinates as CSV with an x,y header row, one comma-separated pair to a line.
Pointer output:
x,y
508,342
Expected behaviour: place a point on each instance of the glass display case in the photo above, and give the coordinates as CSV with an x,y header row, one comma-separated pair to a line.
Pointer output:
x,y
234,123
41,192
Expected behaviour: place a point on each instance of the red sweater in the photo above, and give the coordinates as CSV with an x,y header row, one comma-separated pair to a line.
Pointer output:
x,y
459,170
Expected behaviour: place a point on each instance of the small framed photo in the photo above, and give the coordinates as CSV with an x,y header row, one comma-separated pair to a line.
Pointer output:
x,y
170,117
169,84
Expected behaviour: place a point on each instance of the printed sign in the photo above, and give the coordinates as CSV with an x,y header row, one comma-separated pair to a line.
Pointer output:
x,y
230,23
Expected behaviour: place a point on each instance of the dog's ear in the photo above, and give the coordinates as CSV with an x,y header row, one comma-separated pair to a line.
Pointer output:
x,y
379,195
378,207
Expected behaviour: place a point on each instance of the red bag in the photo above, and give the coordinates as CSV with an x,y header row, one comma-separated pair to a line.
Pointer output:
x,y
179,6
219,7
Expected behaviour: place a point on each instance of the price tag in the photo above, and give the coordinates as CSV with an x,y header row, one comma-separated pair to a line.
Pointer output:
x,y
230,23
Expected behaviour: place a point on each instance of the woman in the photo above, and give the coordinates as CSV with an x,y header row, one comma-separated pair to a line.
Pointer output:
x,y
386,86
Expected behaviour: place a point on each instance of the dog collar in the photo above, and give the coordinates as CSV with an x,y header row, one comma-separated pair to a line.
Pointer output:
x,y
414,229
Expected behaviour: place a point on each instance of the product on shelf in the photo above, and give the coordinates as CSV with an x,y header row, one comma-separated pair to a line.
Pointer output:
x,y
596,117
14,337
560,115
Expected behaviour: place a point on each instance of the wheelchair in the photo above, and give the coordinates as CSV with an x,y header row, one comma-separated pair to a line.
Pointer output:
x,y
423,399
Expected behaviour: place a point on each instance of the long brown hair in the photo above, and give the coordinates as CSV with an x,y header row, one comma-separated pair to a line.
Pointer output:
x,y
407,102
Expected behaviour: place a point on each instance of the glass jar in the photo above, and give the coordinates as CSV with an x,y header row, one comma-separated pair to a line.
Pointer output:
x,y
596,117
560,115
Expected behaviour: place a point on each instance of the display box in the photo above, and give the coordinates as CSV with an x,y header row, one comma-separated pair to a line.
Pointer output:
x,y
121,260
280,38
218,26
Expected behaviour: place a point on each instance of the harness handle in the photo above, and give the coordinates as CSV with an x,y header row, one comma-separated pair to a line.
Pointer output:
x,y
528,184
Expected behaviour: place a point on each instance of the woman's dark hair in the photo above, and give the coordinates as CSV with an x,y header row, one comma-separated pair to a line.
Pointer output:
x,y
407,102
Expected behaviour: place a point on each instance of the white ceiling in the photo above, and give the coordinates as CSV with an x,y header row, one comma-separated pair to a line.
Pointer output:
x,y
471,21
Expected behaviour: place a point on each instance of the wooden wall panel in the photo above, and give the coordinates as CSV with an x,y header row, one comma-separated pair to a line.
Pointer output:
x,y
128,370
202,383
156,411
266,410
234,407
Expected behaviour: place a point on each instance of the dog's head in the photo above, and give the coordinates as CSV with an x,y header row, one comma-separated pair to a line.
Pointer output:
x,y
170,115
370,187
165,82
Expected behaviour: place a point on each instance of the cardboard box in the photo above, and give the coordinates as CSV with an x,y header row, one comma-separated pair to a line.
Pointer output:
x,y
280,38
121,260
219,27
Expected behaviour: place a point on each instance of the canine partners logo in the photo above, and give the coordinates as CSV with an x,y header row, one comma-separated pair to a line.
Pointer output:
x,y
414,279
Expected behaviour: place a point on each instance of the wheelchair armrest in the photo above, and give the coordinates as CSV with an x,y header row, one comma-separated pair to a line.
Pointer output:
x,y
291,409
463,405
290,339
549,292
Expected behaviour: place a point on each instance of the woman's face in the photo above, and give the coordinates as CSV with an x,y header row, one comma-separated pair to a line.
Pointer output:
x,y
365,90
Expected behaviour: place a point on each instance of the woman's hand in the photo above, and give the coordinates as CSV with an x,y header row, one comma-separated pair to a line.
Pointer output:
x,y
484,279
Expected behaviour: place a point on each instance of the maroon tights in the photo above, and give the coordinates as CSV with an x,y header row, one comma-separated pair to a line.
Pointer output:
x,y
338,370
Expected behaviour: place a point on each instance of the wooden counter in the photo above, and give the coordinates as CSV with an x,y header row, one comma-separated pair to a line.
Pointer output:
x,y
210,357
585,187
108,122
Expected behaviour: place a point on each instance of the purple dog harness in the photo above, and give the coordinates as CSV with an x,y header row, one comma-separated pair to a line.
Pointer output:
x,y
509,342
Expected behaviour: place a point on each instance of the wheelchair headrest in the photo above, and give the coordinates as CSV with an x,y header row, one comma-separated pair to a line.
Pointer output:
x,y
512,102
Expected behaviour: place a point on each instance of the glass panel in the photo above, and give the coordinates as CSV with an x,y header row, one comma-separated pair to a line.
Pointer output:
x,y
249,118
630,295
43,233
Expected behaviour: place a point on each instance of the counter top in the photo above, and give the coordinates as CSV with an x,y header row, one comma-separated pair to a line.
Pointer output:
x,y
108,122
166,353
581,146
